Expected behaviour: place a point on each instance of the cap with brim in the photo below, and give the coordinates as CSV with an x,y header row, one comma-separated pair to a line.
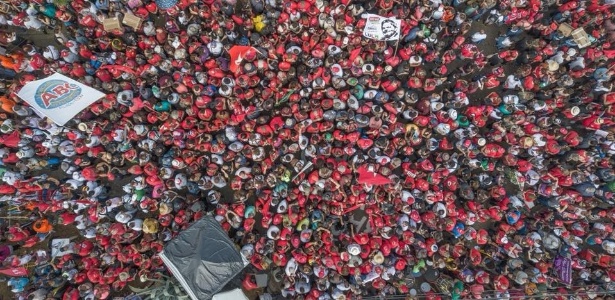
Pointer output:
x,y
164,209
150,226
354,249
378,258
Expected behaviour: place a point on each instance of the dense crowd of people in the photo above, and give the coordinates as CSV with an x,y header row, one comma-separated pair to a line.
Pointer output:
x,y
495,147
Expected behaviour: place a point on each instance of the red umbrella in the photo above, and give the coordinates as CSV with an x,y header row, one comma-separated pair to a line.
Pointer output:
x,y
368,177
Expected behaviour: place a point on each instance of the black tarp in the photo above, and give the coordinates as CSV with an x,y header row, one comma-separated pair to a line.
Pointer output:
x,y
203,258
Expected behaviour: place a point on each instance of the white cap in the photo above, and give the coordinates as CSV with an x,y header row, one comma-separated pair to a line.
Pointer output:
x,y
354,249
452,113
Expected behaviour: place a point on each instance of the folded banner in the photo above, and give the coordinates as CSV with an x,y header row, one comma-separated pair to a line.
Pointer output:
x,y
381,28
563,269
14,272
58,97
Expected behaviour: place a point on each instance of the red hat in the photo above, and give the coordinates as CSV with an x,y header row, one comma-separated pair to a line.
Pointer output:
x,y
400,264
361,239
379,283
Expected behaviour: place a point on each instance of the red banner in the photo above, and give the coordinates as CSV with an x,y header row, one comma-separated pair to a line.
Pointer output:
x,y
14,272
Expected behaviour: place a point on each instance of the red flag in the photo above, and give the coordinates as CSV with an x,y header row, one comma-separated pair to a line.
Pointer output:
x,y
609,53
354,53
369,177
237,53
14,272
119,68
11,140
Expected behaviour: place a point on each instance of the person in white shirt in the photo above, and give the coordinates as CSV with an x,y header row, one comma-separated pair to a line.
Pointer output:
x,y
31,22
123,217
478,37
11,177
67,148
503,42
89,233
51,53
438,13
577,64
512,82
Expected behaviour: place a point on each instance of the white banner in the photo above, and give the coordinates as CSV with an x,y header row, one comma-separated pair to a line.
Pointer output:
x,y
58,97
381,28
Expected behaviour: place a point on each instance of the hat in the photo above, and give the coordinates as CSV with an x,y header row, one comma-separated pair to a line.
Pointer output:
x,y
452,113
378,258
150,225
355,261
165,209
354,249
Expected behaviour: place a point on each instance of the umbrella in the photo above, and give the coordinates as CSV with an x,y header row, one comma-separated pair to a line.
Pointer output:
x,y
165,4
512,217
368,177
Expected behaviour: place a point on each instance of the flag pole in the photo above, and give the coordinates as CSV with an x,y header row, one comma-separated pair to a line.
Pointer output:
x,y
396,46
